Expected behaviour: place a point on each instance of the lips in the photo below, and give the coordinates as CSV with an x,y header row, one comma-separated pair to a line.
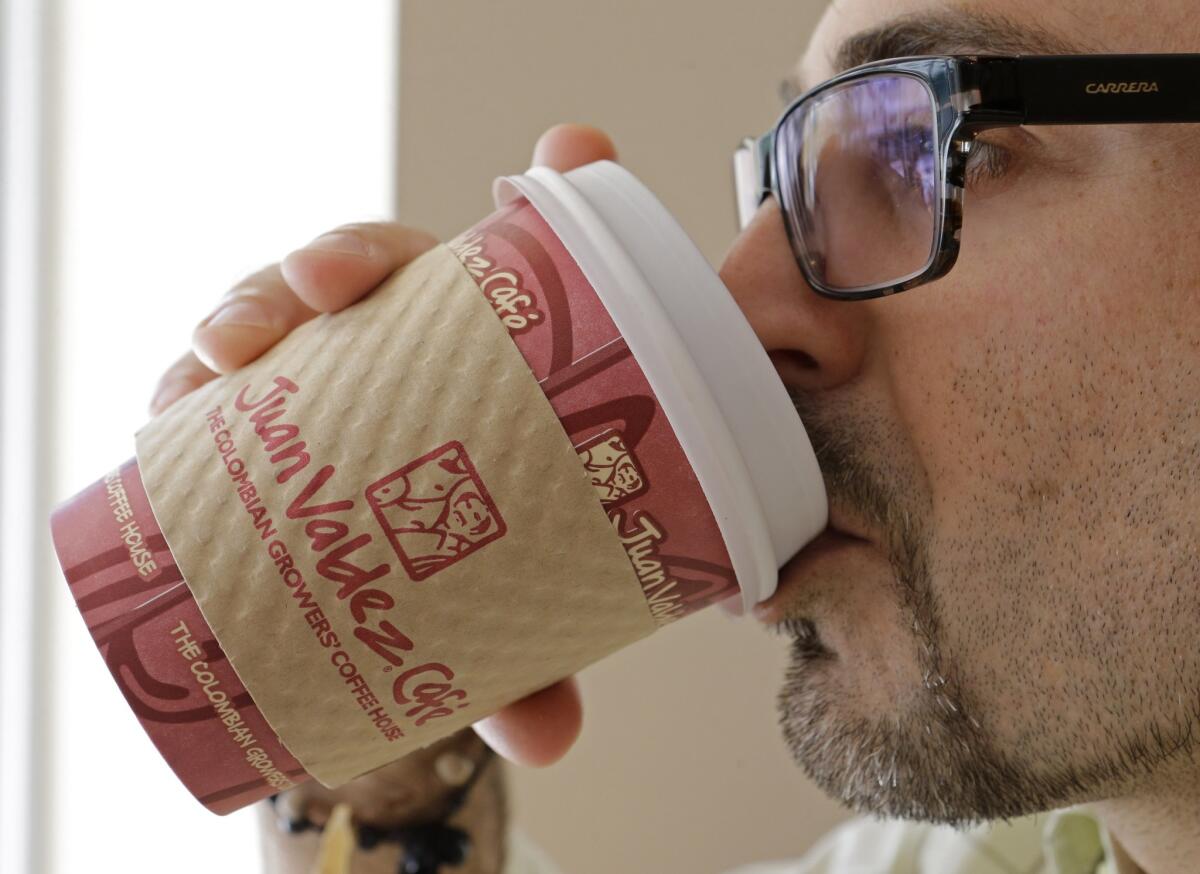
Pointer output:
x,y
829,546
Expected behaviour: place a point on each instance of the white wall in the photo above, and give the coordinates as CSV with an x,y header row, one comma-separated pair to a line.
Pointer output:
x,y
680,767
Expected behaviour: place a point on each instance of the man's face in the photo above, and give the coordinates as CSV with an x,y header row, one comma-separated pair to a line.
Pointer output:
x,y
626,477
469,517
1016,445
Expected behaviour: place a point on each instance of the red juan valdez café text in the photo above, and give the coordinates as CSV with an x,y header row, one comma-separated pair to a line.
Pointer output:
x,y
426,690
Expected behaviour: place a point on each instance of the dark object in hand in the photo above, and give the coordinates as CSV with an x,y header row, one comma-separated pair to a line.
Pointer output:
x,y
407,805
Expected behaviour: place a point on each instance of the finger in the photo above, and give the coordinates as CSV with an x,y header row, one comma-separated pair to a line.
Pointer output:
x,y
567,146
252,317
337,268
184,376
539,729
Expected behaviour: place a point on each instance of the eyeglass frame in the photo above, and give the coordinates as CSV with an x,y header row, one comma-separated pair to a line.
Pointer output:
x,y
974,93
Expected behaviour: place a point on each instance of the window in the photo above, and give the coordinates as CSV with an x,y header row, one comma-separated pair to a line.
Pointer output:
x,y
188,146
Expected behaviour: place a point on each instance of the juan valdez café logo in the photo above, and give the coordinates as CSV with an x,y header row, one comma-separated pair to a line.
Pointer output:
x,y
611,465
435,511
617,477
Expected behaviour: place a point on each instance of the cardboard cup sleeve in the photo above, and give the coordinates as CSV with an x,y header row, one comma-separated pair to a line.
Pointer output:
x,y
396,473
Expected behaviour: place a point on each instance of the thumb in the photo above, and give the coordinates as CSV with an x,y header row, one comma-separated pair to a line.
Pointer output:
x,y
567,146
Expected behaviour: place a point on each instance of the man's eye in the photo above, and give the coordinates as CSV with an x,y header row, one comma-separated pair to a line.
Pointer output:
x,y
904,143
987,162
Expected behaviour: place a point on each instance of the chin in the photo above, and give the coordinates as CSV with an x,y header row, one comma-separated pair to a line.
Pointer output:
x,y
923,757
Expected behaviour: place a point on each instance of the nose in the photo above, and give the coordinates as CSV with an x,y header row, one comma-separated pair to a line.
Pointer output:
x,y
816,343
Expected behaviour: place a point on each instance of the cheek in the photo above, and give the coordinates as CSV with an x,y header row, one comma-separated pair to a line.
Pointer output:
x,y
1042,353
1049,386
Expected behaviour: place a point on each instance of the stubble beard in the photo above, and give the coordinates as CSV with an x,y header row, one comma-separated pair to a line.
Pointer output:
x,y
930,758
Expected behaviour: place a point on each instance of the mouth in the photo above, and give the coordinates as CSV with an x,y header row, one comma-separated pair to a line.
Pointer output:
x,y
829,547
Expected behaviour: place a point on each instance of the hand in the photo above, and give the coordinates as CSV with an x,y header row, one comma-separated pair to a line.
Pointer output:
x,y
329,274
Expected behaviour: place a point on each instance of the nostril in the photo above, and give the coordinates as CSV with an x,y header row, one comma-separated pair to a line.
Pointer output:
x,y
792,360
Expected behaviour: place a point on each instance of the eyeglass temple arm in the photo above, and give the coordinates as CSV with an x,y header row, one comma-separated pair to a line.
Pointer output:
x,y
754,178
1083,89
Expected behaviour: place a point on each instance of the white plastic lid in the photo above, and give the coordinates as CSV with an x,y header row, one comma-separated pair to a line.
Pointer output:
x,y
714,382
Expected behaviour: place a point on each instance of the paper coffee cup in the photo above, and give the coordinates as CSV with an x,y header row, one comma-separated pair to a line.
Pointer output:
x,y
531,447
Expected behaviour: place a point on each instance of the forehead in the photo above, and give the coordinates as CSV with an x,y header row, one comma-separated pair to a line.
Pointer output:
x,y
1068,25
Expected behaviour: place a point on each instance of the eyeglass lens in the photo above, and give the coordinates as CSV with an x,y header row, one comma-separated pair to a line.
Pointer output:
x,y
858,174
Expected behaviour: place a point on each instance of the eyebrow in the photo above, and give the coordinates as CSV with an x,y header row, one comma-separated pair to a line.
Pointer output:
x,y
941,32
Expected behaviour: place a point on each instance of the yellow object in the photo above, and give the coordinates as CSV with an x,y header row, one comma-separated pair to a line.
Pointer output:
x,y
337,843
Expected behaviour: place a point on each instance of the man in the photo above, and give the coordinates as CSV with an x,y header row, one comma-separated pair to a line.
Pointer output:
x,y
1009,622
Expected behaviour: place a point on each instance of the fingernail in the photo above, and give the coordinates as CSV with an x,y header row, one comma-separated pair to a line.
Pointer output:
x,y
539,152
200,347
496,739
248,313
341,243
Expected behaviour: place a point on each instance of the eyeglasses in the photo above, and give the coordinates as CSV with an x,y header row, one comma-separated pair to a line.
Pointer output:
x,y
868,168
